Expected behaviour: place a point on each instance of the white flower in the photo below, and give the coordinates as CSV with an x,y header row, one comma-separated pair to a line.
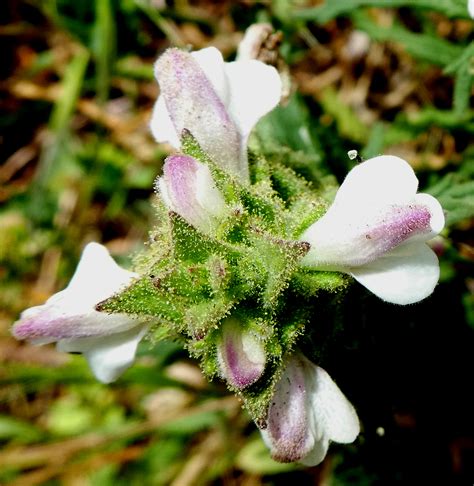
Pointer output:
x,y
307,411
108,341
218,102
188,189
240,353
470,8
376,230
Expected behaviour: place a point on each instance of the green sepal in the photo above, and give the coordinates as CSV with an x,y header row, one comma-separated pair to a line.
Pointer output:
x,y
309,283
188,243
144,298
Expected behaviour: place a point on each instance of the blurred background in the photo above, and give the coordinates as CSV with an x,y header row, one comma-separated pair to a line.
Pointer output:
x,y
78,164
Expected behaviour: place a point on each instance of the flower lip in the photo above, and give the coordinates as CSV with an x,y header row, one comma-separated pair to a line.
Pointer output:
x,y
218,102
376,230
70,317
71,313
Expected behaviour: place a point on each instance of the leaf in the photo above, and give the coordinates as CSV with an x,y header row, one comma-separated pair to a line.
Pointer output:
x,y
334,8
455,192
425,47
71,85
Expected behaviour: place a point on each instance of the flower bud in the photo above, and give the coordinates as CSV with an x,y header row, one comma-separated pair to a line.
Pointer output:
x,y
241,355
187,188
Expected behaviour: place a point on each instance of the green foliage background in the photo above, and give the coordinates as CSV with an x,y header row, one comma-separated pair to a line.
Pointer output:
x,y
76,93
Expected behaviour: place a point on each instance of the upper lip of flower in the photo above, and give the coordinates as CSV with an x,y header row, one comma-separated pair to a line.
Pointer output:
x,y
218,102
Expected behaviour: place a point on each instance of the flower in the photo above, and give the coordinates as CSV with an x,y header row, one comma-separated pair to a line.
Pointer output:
x,y
376,230
470,8
108,342
306,412
240,354
218,102
188,189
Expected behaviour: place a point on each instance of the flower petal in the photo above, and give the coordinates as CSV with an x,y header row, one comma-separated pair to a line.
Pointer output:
x,y
193,103
161,125
470,8
331,410
255,89
403,276
317,454
188,189
287,433
357,237
241,355
108,356
437,220
71,313
382,180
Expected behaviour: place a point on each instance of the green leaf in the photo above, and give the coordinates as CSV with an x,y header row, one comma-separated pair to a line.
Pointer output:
x,y
455,192
71,86
425,47
334,8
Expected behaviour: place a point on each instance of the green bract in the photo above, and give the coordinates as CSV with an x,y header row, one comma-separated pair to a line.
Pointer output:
x,y
248,268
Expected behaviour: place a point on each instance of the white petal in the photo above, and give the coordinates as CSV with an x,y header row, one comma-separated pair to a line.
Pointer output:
x,y
332,413
71,313
381,180
317,454
405,275
255,89
97,276
161,126
470,8
108,356
210,60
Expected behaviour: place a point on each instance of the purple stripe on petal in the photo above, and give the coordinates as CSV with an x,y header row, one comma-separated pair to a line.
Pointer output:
x,y
397,226
44,325
193,104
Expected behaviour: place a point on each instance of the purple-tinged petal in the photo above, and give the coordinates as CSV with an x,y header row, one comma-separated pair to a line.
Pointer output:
x,y
346,239
287,434
187,188
241,355
71,313
193,104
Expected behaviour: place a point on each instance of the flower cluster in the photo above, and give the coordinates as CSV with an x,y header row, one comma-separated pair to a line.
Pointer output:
x,y
241,256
